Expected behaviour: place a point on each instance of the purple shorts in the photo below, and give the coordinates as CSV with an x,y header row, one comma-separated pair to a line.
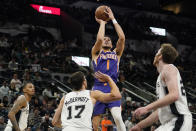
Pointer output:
x,y
100,108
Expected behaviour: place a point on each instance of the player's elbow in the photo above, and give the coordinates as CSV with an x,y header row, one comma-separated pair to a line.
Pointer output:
x,y
100,40
175,97
118,96
122,37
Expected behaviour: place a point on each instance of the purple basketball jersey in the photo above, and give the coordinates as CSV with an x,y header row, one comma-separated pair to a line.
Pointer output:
x,y
107,63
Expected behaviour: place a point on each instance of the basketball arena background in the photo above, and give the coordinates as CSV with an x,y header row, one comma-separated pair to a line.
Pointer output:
x,y
44,41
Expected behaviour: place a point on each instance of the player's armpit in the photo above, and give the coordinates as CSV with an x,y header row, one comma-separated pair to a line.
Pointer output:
x,y
19,104
104,97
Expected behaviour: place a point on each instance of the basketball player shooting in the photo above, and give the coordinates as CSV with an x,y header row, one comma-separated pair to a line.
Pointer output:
x,y
75,110
171,108
107,61
18,115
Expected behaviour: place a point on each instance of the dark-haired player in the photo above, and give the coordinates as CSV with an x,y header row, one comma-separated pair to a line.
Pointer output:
x,y
75,110
107,61
19,113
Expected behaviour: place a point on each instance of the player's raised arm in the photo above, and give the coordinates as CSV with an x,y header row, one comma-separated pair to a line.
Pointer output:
x,y
19,104
56,121
100,38
106,97
121,36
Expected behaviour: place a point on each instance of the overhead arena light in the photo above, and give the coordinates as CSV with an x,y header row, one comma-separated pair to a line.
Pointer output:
x,y
158,31
82,61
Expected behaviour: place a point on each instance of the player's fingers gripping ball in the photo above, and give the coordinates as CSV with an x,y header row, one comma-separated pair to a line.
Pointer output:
x,y
100,13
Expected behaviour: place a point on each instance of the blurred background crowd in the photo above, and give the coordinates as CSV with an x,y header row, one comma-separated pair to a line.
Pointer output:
x,y
39,48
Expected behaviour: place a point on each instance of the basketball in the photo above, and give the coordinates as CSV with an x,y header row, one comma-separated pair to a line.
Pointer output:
x,y
100,14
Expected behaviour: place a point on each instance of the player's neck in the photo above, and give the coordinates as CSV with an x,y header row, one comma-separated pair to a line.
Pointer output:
x,y
160,66
28,97
83,88
106,50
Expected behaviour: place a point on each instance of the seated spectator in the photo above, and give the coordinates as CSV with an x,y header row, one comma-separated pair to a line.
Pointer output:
x,y
47,92
106,124
124,95
2,123
15,83
5,101
13,65
37,77
130,122
26,79
35,119
46,122
4,89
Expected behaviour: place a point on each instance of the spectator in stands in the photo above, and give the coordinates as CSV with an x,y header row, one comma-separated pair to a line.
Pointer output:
x,y
2,123
36,102
4,42
46,122
5,101
27,61
27,78
130,122
124,95
35,119
126,108
106,123
47,92
4,89
13,65
15,83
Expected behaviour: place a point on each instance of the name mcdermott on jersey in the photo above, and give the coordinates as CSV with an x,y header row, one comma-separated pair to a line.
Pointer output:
x,y
76,99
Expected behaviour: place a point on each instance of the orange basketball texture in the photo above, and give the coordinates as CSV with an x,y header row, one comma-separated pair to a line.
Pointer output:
x,y
100,14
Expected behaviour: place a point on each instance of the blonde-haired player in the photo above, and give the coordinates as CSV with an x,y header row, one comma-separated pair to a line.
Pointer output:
x,y
171,108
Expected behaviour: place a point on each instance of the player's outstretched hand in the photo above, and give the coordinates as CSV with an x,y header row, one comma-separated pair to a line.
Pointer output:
x,y
101,76
110,13
135,128
100,20
140,111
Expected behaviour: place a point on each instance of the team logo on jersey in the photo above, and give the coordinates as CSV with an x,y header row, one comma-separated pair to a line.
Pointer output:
x,y
108,56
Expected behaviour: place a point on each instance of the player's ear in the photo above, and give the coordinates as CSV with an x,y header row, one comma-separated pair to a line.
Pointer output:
x,y
160,56
24,89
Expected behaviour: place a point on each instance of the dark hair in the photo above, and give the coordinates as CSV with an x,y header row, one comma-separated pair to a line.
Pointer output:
x,y
24,86
76,80
169,53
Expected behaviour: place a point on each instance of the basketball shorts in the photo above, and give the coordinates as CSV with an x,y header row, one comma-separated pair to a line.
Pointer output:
x,y
100,108
181,123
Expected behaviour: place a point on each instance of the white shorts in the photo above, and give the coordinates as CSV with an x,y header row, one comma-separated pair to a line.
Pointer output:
x,y
76,129
183,123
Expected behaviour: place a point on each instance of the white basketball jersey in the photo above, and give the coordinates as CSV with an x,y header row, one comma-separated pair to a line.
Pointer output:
x,y
21,117
77,110
176,109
